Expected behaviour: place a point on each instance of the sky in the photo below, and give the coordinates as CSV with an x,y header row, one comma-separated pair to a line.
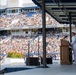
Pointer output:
x,y
3,2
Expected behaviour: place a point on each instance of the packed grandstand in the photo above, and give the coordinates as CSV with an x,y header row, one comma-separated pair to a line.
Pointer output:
x,y
22,31
25,19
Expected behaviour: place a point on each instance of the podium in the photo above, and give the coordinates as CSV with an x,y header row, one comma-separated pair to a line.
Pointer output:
x,y
65,52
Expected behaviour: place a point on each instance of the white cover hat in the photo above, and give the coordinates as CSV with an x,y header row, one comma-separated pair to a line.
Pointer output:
x,y
74,31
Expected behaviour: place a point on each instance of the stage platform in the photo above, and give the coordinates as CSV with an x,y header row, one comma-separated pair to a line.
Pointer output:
x,y
53,69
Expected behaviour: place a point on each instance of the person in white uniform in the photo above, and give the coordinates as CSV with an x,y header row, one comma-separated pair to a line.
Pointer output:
x,y
73,44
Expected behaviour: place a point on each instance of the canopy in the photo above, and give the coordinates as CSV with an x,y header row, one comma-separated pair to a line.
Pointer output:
x,y
60,9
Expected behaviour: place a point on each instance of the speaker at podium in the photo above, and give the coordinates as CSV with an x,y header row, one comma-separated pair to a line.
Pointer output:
x,y
65,52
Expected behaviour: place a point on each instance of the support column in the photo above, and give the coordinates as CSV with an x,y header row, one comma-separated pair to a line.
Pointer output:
x,y
28,60
44,32
70,27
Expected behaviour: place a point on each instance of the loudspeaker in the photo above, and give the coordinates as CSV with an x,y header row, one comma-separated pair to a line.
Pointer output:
x,y
48,60
32,61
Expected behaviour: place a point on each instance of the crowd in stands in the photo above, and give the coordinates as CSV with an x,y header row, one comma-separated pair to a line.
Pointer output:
x,y
2,38
21,44
26,19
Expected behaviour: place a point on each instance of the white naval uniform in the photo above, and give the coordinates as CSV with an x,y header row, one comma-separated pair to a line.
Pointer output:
x,y
73,43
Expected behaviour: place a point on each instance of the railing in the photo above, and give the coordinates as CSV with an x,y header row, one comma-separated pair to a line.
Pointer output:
x,y
2,59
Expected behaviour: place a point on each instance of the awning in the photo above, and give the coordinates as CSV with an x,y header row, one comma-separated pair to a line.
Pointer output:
x,y
60,9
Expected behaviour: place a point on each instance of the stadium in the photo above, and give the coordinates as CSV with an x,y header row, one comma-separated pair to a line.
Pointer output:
x,y
21,30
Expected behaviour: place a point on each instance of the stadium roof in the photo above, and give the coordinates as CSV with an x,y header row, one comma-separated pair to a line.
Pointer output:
x,y
60,9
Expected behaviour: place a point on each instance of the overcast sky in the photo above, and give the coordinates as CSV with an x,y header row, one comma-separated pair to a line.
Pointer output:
x,y
3,2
